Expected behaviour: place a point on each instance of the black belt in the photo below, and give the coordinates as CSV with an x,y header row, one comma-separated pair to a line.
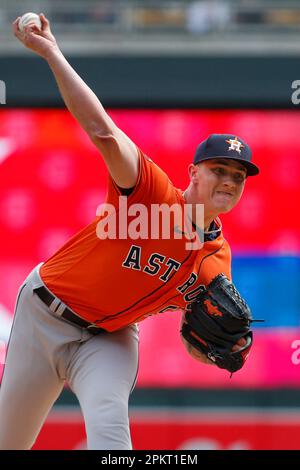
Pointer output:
x,y
67,314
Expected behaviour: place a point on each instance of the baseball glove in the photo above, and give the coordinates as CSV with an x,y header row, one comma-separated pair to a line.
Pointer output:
x,y
216,321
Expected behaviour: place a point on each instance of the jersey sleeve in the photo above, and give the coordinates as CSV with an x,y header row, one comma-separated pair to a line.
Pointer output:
x,y
152,187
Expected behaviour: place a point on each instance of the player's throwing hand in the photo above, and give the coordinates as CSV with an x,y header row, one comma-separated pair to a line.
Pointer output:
x,y
38,40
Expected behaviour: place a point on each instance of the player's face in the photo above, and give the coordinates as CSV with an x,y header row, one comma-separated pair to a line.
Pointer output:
x,y
220,184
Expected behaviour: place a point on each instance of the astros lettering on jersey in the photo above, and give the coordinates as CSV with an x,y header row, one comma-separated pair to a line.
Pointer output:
x,y
117,282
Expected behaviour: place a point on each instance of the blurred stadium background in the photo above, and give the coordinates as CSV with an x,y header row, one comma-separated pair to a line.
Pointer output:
x,y
169,73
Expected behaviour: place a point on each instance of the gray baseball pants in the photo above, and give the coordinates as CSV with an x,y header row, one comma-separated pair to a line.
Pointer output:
x,y
44,352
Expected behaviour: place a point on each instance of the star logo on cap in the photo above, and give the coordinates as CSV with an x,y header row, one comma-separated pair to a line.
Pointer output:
x,y
235,144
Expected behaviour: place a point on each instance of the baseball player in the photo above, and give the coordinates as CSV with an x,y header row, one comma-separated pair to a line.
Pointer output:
x,y
76,313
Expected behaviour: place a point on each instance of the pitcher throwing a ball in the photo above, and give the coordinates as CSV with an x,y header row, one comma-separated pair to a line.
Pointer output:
x,y
76,313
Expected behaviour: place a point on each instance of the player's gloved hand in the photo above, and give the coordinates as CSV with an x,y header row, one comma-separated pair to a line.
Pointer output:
x,y
38,40
201,357
218,325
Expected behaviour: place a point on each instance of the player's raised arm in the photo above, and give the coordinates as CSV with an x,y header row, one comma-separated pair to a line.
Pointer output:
x,y
118,151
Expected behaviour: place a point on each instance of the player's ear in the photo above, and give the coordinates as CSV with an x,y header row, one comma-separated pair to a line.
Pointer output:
x,y
193,171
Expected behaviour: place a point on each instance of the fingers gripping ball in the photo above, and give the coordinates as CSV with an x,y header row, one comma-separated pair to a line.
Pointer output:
x,y
29,18
219,319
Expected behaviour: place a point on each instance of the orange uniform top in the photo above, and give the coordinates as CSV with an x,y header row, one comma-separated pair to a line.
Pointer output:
x,y
114,282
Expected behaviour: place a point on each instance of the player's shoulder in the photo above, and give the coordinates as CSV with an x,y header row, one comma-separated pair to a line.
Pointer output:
x,y
226,248
155,168
148,158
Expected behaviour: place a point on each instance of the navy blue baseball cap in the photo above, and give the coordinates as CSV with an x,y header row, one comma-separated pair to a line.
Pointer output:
x,y
226,146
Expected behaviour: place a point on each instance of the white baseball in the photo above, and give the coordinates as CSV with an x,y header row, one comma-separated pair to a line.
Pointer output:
x,y
29,18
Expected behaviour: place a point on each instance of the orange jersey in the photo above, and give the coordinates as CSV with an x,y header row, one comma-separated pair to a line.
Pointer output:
x,y
119,281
